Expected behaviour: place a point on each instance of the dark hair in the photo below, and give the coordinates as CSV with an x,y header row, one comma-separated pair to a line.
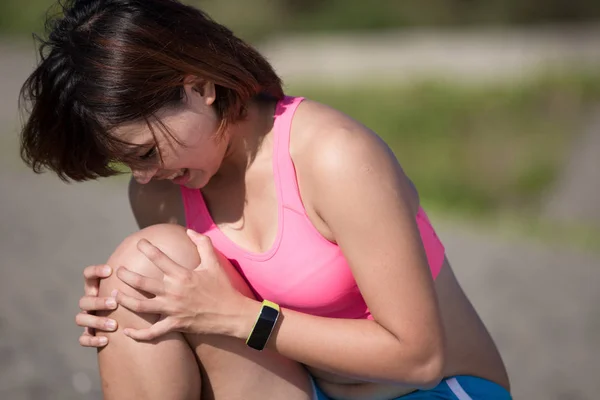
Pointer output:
x,y
109,62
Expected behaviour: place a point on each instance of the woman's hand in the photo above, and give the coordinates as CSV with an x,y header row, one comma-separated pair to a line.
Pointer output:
x,y
200,301
90,303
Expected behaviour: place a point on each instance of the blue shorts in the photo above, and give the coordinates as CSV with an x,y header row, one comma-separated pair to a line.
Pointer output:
x,y
462,387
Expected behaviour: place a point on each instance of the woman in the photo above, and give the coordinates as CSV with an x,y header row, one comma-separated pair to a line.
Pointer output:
x,y
325,258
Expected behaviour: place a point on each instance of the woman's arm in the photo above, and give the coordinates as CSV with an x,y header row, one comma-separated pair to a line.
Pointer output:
x,y
363,199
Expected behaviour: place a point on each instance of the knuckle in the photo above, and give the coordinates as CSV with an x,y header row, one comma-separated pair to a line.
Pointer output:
x,y
178,324
121,273
152,251
187,274
99,323
119,298
99,304
204,240
137,280
136,306
176,309
181,324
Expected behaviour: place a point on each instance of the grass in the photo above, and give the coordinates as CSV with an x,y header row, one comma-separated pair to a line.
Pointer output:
x,y
514,226
477,150
487,154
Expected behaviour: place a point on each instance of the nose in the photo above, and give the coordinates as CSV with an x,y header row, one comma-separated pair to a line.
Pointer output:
x,y
143,176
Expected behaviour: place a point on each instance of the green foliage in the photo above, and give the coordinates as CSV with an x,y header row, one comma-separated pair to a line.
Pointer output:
x,y
20,17
256,19
474,150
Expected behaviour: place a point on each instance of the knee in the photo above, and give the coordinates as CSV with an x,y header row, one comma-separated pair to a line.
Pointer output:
x,y
169,238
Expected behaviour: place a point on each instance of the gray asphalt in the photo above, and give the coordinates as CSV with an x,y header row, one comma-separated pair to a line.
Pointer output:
x,y
540,303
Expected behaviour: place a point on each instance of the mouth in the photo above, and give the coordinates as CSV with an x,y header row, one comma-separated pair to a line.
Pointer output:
x,y
181,177
175,175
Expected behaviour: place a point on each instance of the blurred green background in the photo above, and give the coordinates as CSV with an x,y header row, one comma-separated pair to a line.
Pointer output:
x,y
493,109
257,19
473,150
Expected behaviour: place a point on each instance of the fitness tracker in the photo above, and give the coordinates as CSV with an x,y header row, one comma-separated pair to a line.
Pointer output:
x,y
263,327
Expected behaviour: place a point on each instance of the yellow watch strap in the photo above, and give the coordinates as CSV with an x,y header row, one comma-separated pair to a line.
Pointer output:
x,y
270,304
265,303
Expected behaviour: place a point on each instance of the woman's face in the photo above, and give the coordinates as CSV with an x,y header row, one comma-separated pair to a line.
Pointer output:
x,y
191,154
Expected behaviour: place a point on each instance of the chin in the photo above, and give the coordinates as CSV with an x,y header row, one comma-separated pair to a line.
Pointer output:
x,y
197,182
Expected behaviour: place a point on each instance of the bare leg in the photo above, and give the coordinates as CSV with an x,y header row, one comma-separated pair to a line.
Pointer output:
x,y
190,366
163,369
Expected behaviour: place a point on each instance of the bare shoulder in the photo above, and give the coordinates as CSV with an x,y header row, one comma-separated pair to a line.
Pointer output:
x,y
157,202
330,148
328,139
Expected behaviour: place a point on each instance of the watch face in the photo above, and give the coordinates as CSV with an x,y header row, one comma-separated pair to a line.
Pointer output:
x,y
263,328
269,314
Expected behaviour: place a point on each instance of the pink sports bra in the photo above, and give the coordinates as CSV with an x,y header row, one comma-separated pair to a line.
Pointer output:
x,y
302,270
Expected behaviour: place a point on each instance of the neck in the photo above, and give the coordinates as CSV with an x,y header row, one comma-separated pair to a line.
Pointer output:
x,y
246,138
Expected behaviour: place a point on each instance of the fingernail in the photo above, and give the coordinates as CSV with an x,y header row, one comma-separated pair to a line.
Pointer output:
x,y
192,233
126,332
112,325
114,293
103,340
106,270
111,302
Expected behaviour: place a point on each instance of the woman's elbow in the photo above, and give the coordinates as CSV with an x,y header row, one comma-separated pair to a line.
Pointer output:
x,y
427,369
429,373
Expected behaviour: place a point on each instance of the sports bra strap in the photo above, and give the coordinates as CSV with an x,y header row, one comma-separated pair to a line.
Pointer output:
x,y
283,166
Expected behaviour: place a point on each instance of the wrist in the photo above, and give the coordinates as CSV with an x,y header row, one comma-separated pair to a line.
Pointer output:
x,y
242,325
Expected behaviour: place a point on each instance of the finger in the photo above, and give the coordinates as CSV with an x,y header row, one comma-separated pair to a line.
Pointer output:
x,y
158,258
92,276
94,322
149,306
140,282
94,272
160,328
89,331
205,247
92,303
93,341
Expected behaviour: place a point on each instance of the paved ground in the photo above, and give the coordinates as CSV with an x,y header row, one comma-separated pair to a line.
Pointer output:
x,y
542,304
465,55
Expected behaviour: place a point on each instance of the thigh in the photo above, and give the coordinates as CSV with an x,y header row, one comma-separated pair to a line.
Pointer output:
x,y
231,370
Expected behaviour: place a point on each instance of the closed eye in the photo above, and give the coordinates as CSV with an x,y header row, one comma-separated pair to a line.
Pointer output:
x,y
149,154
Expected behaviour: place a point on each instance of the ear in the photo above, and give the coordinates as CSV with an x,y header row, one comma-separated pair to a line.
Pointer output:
x,y
193,86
